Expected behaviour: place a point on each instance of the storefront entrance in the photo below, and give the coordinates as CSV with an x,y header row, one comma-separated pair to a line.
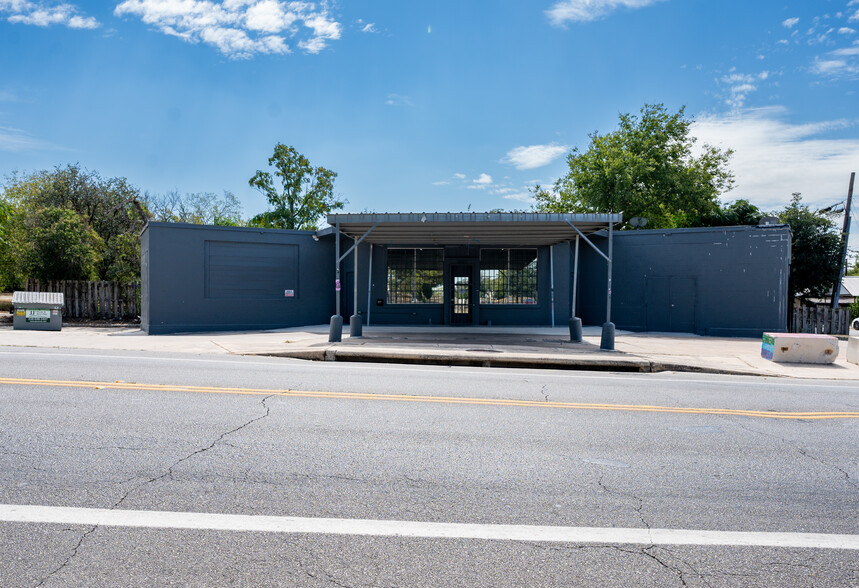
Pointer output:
x,y
461,294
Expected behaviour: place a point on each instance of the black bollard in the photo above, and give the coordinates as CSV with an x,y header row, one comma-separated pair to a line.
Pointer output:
x,y
355,326
607,340
335,329
576,330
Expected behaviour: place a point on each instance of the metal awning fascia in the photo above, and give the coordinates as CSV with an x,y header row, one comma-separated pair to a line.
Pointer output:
x,y
490,229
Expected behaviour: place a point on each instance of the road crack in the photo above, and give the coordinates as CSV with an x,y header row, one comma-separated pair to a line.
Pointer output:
x,y
167,473
847,478
71,556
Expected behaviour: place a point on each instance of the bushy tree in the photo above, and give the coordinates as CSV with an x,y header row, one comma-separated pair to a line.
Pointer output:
x,y
740,212
105,208
305,194
57,245
815,250
645,168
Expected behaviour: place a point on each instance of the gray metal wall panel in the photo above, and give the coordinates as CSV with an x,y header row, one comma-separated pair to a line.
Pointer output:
x,y
729,281
175,285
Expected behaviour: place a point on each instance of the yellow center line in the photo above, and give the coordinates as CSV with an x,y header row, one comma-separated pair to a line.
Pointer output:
x,y
118,385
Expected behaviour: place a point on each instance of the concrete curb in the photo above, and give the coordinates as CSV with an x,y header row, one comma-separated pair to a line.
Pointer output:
x,y
610,362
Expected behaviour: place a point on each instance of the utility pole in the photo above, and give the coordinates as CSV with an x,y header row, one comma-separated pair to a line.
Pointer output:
x,y
845,235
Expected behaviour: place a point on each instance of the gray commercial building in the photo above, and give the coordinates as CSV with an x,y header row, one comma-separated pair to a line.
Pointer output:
x,y
466,269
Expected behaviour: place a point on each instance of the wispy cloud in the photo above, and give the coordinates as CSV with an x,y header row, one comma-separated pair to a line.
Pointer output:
x,y
239,29
12,139
789,23
482,182
841,63
740,85
774,158
566,11
366,27
44,14
399,100
533,156
526,197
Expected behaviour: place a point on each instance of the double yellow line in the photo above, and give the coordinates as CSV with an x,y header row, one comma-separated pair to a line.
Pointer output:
x,y
120,385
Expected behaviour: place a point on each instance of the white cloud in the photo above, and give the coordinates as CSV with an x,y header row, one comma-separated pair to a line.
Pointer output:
x,y
841,63
12,139
370,27
566,11
43,14
740,86
239,28
483,179
534,156
398,100
846,31
774,158
459,176
521,197
789,23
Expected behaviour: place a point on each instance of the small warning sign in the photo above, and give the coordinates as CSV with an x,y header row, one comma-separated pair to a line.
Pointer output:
x,y
289,293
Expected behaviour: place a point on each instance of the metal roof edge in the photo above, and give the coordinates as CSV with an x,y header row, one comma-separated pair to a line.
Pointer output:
x,y
195,226
472,217
687,230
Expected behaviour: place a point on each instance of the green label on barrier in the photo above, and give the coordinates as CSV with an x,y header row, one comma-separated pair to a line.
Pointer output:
x,y
37,315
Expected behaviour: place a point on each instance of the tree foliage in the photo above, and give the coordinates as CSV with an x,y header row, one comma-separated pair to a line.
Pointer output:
x,y
305,193
47,207
740,212
199,208
815,250
645,168
60,246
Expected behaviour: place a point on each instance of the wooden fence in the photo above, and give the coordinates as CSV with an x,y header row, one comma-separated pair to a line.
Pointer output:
x,y
822,320
94,300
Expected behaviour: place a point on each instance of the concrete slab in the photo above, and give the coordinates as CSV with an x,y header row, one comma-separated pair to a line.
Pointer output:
x,y
799,348
853,349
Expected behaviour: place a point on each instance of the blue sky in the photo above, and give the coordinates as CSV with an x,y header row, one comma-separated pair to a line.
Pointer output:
x,y
435,106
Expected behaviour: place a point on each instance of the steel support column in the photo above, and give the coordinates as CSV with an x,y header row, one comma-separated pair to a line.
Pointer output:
x,y
552,280
369,284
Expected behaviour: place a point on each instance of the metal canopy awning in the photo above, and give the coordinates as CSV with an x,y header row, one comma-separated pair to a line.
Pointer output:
x,y
470,228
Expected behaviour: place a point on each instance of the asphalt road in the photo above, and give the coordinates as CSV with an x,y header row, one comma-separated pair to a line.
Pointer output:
x,y
476,448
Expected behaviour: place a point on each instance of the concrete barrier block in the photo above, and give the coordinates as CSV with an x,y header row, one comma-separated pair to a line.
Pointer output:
x,y
853,349
799,348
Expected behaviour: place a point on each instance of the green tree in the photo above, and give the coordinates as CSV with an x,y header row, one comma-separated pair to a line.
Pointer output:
x,y
741,212
305,195
199,208
58,245
815,250
108,208
853,270
645,168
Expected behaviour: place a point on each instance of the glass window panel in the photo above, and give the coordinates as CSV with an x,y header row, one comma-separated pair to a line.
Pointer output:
x,y
415,276
508,276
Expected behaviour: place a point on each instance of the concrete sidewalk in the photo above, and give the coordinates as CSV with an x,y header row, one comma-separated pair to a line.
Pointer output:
x,y
524,347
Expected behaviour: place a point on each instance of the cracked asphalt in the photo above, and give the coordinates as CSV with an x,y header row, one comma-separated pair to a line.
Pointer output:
x,y
369,459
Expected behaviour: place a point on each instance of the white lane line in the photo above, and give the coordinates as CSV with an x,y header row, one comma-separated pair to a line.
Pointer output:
x,y
656,379
380,528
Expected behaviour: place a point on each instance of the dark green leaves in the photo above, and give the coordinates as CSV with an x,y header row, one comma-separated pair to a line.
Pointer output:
x,y
298,193
645,168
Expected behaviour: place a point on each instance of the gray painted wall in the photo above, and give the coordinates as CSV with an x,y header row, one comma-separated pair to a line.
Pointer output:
x,y
204,278
724,281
